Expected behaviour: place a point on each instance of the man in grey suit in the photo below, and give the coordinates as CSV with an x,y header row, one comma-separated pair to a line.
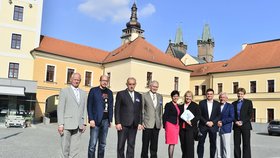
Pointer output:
x,y
71,117
152,114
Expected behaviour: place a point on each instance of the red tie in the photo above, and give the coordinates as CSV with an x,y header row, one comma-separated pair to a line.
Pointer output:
x,y
184,125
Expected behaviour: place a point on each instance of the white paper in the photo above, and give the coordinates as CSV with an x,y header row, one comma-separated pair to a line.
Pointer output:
x,y
187,115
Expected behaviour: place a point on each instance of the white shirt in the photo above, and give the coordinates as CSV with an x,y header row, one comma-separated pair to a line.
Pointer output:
x,y
131,95
77,93
222,106
154,98
209,106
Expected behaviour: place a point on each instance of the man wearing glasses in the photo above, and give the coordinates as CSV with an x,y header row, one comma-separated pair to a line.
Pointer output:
x,y
100,114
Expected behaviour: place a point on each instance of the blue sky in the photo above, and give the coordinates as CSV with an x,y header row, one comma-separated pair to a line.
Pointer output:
x,y
99,23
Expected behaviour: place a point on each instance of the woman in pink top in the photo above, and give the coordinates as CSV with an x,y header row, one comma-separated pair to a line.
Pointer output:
x,y
171,122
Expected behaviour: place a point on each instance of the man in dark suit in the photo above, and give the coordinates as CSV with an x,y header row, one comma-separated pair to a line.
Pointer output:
x,y
225,127
128,117
152,114
210,115
242,125
100,113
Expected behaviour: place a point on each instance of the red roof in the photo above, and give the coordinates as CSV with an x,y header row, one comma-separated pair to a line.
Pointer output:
x,y
142,50
71,50
205,68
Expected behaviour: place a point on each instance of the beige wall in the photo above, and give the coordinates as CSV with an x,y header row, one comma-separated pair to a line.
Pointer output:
x,y
188,59
121,70
47,89
262,100
29,29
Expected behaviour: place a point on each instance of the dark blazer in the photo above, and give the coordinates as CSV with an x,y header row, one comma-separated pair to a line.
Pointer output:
x,y
227,117
170,114
215,115
127,112
95,105
245,114
194,108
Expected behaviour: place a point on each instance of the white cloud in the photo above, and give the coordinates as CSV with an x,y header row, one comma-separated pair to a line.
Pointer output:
x,y
149,9
113,10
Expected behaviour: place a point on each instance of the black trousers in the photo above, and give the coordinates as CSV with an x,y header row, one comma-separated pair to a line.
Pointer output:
x,y
150,139
201,141
246,136
187,142
126,134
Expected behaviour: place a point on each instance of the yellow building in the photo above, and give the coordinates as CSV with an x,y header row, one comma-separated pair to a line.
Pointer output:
x,y
54,63
20,28
256,68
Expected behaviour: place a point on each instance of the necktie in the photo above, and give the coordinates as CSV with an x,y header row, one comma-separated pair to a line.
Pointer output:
x,y
77,95
132,97
154,100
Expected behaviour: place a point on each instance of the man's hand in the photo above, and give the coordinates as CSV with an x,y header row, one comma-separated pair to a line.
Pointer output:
x,y
84,128
220,124
60,129
209,124
92,123
119,127
109,125
140,127
238,123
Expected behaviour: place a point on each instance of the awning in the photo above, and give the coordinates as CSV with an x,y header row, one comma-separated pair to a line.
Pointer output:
x,y
9,90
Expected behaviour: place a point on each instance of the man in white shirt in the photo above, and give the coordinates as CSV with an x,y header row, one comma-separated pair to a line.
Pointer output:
x,y
210,115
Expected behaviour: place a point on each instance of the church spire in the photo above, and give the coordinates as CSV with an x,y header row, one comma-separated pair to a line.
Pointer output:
x,y
206,45
179,36
133,27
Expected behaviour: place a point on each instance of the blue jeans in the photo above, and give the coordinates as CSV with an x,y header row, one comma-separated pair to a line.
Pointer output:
x,y
98,133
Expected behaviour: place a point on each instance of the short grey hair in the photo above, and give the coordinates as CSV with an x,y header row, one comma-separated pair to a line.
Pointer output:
x,y
152,82
223,93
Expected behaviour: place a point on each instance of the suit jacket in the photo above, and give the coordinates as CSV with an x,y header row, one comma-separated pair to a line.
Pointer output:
x,y
194,108
215,115
70,113
151,115
96,103
127,112
170,114
245,114
227,117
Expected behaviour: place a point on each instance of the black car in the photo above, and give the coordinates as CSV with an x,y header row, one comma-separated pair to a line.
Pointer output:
x,y
273,127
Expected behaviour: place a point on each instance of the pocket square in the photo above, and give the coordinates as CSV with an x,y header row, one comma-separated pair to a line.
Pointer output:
x,y
137,100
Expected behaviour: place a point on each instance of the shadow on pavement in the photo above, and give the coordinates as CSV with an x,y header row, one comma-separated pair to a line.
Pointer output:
x,y
12,135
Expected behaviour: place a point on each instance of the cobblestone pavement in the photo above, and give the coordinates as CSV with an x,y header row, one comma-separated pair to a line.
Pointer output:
x,y
42,141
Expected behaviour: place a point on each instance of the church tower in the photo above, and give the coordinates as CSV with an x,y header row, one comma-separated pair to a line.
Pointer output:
x,y
206,45
177,49
133,27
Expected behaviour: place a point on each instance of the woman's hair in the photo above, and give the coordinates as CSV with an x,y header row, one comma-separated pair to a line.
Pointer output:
x,y
188,92
174,93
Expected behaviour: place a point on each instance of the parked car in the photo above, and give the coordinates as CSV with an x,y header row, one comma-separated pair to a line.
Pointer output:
x,y
15,119
273,127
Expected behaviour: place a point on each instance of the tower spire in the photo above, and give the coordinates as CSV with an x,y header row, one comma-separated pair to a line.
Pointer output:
x,y
179,35
133,27
206,45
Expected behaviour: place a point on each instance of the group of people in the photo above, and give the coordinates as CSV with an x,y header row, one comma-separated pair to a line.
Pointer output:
x,y
134,111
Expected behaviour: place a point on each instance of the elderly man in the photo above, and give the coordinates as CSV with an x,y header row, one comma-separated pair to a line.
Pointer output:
x,y
152,114
225,127
71,117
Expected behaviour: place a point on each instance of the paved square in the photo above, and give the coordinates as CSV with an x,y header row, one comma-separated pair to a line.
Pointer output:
x,y
42,141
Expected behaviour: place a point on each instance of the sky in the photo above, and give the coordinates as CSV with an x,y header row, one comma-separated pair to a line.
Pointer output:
x,y
99,23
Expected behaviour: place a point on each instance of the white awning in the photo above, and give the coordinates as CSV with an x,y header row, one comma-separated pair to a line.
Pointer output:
x,y
15,91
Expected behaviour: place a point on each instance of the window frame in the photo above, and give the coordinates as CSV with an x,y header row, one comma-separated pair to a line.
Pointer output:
x,y
13,70
91,78
54,73
16,41
18,13
66,80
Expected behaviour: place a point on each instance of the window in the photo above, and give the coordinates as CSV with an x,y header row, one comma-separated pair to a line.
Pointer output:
x,y
149,78
270,85
69,75
16,41
270,115
18,13
13,70
109,78
50,73
203,89
176,83
88,78
220,88
253,85
235,87
196,91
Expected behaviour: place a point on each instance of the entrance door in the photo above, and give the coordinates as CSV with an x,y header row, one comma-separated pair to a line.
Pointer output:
x,y
270,115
